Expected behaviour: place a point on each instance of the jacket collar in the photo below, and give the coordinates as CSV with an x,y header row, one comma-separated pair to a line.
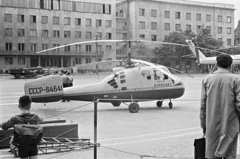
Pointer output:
x,y
221,70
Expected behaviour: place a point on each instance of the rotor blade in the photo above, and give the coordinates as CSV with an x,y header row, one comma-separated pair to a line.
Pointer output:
x,y
77,43
169,43
100,62
179,71
227,48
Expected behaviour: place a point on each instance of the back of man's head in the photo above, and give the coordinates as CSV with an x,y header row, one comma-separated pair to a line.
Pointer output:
x,y
25,102
224,60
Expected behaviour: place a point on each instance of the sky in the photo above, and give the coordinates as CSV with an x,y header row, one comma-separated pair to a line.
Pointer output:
x,y
236,4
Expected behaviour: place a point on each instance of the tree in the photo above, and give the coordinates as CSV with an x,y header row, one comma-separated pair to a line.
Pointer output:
x,y
169,53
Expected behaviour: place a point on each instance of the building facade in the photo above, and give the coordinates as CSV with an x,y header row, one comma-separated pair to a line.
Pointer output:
x,y
29,26
153,20
237,34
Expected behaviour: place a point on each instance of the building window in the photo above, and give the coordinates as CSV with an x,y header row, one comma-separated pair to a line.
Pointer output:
x,y
98,23
108,48
77,21
166,14
154,25
229,19
78,48
20,18
33,33
188,64
21,60
166,26
229,30
199,17
56,33
78,60
67,48
8,31
99,35
67,34
229,41
8,17
219,18
188,27
208,28
44,46
154,37
77,34
141,12
177,64
33,47
33,18
8,60
106,9
178,27
142,36
141,25
88,35
108,23
199,28
56,45
208,17
67,21
8,46
153,13
188,16
21,32
219,30
177,15
99,48
88,22
108,36
21,47
44,19
56,20
45,33
88,60
88,48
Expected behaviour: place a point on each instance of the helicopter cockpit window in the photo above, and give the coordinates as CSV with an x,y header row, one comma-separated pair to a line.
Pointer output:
x,y
165,77
157,75
146,74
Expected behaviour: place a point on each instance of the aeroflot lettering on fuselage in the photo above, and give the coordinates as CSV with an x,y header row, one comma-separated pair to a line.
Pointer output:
x,y
48,89
162,84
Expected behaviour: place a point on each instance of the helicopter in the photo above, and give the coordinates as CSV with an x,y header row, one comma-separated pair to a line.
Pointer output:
x,y
138,81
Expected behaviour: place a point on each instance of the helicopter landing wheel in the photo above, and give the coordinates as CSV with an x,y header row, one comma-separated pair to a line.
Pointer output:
x,y
170,104
159,103
133,107
116,104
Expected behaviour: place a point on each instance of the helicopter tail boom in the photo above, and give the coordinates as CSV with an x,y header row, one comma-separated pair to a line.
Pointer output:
x,y
199,55
44,90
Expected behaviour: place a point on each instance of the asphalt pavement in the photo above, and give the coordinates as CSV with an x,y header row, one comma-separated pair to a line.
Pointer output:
x,y
151,133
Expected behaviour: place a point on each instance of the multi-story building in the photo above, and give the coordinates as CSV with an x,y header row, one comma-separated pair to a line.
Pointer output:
x,y
28,26
154,19
237,34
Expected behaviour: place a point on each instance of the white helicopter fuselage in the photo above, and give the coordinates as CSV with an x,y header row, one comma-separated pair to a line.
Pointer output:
x,y
135,84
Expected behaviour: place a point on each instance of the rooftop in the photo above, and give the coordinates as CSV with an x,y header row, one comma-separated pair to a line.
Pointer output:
x,y
187,2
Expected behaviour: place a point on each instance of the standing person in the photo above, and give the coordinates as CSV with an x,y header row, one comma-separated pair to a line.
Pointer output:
x,y
29,151
220,107
70,80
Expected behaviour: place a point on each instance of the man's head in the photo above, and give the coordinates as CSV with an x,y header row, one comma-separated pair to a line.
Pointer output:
x,y
25,102
224,61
